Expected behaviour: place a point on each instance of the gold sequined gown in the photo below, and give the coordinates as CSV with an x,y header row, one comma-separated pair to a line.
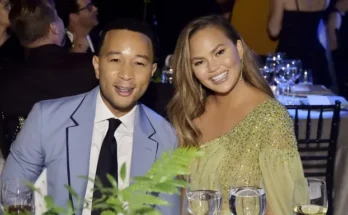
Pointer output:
x,y
262,147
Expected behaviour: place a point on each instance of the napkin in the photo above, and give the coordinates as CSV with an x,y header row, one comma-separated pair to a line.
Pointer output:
x,y
41,185
318,100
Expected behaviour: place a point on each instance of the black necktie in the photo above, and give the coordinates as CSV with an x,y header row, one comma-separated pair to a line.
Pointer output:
x,y
107,162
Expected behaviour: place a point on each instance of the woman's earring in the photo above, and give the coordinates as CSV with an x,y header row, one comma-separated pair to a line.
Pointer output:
x,y
241,69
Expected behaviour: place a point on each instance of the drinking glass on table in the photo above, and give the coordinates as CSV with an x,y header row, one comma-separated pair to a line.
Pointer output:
x,y
310,197
204,197
273,60
247,198
16,197
306,77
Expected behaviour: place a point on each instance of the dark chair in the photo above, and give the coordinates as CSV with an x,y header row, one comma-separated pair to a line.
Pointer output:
x,y
317,153
10,126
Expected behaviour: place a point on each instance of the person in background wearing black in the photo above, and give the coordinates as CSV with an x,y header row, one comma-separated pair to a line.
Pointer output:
x,y
337,30
10,48
80,17
49,71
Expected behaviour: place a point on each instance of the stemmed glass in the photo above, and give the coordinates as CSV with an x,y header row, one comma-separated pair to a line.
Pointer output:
x,y
273,60
16,197
295,68
204,197
267,74
247,198
310,197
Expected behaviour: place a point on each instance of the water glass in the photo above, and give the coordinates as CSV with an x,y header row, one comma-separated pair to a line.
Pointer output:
x,y
310,197
204,198
267,74
16,197
247,199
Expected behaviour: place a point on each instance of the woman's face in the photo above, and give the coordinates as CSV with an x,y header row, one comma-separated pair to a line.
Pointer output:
x,y
5,8
215,60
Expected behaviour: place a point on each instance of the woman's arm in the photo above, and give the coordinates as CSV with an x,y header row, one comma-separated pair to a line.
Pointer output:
x,y
275,17
333,24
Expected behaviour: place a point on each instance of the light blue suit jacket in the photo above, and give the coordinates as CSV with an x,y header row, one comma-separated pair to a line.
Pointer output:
x,y
57,135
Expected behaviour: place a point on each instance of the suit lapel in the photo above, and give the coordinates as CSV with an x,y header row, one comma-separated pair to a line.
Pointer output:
x,y
145,145
78,144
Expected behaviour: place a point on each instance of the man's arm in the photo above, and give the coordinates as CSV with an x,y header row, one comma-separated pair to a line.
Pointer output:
x,y
26,159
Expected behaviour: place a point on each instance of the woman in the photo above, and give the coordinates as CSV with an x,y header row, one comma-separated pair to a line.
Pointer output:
x,y
224,106
10,48
337,31
295,23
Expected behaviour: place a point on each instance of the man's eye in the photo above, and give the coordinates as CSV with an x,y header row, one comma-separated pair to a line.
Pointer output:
x,y
220,52
140,64
115,60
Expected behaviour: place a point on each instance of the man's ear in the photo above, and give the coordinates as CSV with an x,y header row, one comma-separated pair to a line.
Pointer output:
x,y
154,67
95,62
54,29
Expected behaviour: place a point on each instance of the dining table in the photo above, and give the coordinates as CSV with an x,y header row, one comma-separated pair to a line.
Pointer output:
x,y
319,95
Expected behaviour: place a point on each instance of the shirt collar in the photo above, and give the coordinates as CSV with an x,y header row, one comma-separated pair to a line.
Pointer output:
x,y
71,38
103,113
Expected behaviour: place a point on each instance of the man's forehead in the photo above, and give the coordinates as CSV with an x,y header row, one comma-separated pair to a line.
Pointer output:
x,y
127,37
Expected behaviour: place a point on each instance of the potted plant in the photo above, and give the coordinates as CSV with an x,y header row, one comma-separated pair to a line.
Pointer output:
x,y
138,198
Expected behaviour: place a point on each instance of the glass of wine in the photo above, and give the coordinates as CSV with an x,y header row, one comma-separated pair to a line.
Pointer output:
x,y
310,197
247,198
16,197
204,197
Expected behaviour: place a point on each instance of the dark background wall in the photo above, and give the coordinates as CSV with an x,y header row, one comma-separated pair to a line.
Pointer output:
x,y
170,16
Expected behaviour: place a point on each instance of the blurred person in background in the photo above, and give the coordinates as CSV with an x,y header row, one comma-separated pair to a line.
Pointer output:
x,y
10,48
337,31
295,24
48,70
80,17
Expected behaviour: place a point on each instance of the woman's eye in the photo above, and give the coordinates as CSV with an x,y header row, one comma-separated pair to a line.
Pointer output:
x,y
198,63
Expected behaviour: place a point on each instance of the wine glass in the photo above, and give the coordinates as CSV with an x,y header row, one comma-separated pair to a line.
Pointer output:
x,y
267,74
310,197
295,68
16,197
273,60
247,198
204,197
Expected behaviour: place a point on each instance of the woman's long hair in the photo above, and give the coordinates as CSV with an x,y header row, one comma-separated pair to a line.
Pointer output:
x,y
188,102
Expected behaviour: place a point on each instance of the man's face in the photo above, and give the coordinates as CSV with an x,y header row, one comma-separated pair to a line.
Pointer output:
x,y
87,14
124,69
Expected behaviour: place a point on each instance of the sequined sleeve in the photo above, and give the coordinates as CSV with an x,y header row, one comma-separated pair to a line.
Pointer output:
x,y
280,162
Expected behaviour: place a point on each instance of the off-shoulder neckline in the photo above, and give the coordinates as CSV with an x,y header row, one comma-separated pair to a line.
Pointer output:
x,y
240,123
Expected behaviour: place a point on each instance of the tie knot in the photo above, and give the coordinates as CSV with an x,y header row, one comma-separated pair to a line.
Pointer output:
x,y
113,124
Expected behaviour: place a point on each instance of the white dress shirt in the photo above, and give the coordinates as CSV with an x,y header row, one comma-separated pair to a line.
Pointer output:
x,y
124,138
90,44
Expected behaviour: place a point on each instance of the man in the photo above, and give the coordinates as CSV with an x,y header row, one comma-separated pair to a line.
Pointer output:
x,y
49,71
79,17
68,135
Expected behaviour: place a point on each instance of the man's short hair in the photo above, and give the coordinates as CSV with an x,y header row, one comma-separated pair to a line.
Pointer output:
x,y
30,19
131,25
65,8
